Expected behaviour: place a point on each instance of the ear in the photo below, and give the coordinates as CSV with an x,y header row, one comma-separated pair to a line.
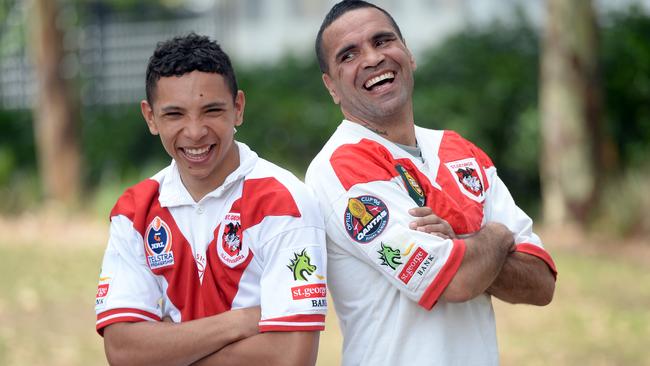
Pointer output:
x,y
414,66
147,113
329,84
240,103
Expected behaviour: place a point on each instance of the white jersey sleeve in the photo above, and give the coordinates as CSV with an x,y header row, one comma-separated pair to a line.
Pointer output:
x,y
501,207
293,290
127,290
371,222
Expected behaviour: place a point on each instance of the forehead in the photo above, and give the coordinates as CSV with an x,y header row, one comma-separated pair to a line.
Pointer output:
x,y
355,26
179,89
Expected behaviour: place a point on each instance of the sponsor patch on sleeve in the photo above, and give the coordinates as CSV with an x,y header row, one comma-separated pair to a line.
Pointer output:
x,y
304,266
102,291
404,259
365,218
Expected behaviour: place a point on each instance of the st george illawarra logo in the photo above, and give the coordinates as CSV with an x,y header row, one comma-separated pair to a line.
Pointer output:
x,y
468,177
231,247
365,218
158,244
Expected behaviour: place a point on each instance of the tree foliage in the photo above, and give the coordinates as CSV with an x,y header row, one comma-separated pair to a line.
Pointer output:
x,y
482,82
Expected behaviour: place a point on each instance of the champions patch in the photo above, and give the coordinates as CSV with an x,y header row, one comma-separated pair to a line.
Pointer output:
x,y
230,246
158,244
365,218
468,176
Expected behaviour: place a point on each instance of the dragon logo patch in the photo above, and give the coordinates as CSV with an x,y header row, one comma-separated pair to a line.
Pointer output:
x,y
301,266
389,257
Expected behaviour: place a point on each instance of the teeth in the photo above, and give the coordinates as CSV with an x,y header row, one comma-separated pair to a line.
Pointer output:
x,y
197,151
376,79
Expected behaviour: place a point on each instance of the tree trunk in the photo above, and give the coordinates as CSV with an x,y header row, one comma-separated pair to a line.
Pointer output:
x,y
570,103
56,114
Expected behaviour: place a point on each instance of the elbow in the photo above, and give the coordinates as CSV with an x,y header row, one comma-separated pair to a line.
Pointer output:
x,y
545,295
456,293
115,350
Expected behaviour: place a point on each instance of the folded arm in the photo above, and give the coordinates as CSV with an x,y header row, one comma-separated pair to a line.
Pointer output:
x,y
166,343
485,255
525,279
270,348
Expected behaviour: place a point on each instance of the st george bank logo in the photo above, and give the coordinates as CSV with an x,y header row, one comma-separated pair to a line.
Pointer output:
x,y
365,218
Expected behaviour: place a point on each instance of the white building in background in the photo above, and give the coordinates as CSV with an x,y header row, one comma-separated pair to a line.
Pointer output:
x,y
111,57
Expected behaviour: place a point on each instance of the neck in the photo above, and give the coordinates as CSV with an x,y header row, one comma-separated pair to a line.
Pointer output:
x,y
401,131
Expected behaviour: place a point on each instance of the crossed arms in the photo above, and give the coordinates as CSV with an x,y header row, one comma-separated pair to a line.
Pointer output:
x,y
491,264
229,338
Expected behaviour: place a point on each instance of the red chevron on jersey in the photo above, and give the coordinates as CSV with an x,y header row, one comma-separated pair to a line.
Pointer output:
x,y
379,164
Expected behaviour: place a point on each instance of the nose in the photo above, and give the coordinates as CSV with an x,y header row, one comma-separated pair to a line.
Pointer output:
x,y
195,129
372,57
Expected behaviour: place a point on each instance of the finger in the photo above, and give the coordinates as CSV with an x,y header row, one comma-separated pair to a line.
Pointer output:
x,y
434,228
429,220
420,211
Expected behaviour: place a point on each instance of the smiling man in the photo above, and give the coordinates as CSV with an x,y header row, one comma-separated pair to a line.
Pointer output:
x,y
421,231
219,258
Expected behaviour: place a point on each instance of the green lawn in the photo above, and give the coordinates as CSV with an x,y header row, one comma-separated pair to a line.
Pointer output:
x,y
600,314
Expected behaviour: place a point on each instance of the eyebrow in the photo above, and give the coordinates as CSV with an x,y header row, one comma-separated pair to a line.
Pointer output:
x,y
214,105
170,108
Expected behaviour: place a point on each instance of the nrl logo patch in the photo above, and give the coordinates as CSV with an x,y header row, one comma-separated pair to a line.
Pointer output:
x,y
365,218
158,244
468,177
301,266
230,246
412,186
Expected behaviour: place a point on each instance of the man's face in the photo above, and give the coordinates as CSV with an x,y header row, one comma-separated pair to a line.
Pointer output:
x,y
195,116
370,69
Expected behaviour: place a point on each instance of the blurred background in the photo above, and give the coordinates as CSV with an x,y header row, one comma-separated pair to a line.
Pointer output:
x,y
557,92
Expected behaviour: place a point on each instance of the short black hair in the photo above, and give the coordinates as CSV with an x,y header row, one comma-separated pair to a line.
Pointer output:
x,y
181,55
336,12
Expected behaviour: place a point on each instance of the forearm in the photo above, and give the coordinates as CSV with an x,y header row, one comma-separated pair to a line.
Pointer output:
x,y
166,343
271,348
485,254
524,279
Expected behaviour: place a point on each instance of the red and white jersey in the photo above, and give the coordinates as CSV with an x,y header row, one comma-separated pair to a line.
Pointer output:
x,y
385,278
257,240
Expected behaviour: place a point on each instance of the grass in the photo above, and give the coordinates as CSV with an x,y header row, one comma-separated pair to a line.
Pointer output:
x,y
600,314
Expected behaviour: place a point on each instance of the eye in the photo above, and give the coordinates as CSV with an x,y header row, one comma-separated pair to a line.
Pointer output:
x,y
347,57
173,115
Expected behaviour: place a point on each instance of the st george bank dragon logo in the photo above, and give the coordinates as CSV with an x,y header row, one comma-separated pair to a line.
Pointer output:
x,y
158,244
365,218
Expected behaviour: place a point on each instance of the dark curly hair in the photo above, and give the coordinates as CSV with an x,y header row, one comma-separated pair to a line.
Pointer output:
x,y
336,12
181,55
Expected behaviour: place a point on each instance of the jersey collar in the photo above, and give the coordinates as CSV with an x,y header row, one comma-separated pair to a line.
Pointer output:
x,y
173,192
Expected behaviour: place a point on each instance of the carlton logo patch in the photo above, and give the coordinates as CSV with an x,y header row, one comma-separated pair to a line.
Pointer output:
x,y
158,244
231,248
468,177
365,218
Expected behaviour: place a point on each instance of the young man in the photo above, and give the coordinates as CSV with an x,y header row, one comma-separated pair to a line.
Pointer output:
x,y
224,245
404,296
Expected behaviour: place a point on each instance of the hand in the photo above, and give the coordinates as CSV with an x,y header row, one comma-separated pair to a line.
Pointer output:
x,y
426,221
